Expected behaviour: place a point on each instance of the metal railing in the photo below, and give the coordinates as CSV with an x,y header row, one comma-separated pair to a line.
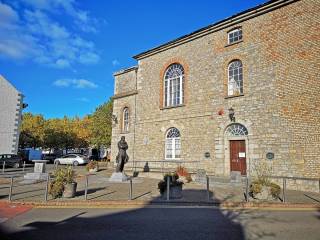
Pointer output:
x,y
284,185
162,166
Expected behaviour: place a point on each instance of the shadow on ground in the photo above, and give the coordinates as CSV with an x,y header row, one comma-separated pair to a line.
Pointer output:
x,y
165,222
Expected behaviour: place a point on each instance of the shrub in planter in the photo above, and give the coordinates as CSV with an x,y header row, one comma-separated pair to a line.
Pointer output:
x,y
63,184
92,166
175,185
183,173
264,190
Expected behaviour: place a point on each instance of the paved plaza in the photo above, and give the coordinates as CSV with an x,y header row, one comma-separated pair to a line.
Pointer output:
x,y
144,189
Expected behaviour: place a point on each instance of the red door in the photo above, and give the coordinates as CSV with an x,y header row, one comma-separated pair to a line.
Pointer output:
x,y
238,156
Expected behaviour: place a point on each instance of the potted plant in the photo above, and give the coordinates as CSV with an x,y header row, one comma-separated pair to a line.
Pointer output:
x,y
92,166
175,186
64,184
183,174
262,188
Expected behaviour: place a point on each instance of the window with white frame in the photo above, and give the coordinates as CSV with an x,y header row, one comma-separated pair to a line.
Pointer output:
x,y
235,78
173,144
235,35
173,85
125,125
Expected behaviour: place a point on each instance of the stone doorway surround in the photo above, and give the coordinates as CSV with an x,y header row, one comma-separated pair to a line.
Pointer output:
x,y
222,147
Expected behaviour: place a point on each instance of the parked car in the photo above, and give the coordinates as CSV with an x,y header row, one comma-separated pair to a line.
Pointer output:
x,y
49,156
74,159
12,160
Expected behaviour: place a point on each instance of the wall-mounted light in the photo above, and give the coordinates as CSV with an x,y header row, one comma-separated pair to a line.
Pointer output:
x,y
114,119
231,115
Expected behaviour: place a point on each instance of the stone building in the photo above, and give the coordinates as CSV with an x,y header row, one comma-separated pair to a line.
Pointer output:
x,y
11,105
229,96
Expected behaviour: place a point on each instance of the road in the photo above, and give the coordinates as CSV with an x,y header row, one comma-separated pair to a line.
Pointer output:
x,y
161,223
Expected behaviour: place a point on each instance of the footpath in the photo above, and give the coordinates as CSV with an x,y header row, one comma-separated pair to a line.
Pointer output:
x,y
145,193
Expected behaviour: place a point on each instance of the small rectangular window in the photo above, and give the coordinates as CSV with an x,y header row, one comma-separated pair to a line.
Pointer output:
x,y
235,35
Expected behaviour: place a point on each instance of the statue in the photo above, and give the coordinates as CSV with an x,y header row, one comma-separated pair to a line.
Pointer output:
x,y
122,157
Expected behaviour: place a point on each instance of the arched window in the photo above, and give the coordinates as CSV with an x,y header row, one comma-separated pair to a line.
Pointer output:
x,y
173,144
236,129
125,117
173,85
235,78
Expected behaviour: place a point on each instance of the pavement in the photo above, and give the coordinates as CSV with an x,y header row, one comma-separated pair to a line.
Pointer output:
x,y
109,214
161,222
145,192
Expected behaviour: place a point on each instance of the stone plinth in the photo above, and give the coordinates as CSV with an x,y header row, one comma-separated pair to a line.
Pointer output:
x,y
39,171
118,177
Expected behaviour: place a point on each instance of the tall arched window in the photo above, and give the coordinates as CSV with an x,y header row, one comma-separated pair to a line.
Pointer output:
x,y
173,144
125,117
235,78
173,85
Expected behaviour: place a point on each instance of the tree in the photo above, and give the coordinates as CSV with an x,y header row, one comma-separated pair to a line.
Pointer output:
x,y
32,130
101,125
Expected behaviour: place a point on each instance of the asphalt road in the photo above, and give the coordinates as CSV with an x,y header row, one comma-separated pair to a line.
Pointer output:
x,y
162,223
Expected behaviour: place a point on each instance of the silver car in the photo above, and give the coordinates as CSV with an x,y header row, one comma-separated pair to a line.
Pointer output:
x,y
72,159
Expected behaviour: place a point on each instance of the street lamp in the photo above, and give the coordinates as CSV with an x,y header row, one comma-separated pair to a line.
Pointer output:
x,y
231,115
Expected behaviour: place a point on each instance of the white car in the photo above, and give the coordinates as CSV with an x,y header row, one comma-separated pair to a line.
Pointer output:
x,y
72,159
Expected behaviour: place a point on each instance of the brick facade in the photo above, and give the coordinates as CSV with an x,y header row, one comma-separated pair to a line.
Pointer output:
x,y
279,107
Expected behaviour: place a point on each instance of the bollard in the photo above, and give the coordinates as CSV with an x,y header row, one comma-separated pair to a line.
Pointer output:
x,y
47,188
24,166
3,166
11,188
130,190
284,190
168,188
208,188
247,189
86,188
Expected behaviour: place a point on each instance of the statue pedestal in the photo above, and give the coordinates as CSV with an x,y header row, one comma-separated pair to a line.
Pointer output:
x,y
118,177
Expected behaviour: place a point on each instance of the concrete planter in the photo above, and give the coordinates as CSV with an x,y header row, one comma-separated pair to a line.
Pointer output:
x,y
70,190
175,192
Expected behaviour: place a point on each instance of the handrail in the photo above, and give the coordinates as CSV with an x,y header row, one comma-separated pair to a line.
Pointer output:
x,y
294,178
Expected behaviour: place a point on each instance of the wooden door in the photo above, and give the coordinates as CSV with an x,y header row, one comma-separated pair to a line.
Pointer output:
x,y
238,156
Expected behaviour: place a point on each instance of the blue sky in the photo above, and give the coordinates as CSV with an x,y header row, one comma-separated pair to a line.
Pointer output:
x,y
61,53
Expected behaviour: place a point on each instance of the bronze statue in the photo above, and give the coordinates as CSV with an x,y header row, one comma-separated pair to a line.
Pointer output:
x,y
122,157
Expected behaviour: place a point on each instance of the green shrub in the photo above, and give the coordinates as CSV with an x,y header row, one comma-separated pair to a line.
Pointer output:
x,y
275,190
162,185
255,188
62,177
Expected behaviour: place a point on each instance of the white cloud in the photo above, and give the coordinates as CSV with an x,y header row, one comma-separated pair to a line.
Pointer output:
x,y
81,18
75,83
36,36
115,62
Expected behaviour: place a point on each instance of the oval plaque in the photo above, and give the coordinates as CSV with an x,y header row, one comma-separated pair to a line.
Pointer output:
x,y
270,155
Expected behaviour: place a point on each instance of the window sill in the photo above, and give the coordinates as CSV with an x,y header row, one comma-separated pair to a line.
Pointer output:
x,y
176,106
234,43
234,96
124,132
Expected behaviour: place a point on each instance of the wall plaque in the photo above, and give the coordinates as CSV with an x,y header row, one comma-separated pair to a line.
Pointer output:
x,y
270,155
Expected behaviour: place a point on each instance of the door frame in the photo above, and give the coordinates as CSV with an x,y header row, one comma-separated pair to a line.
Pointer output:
x,y
238,164
227,159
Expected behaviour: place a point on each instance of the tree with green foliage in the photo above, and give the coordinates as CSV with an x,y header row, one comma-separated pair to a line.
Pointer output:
x,y
67,133
101,125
